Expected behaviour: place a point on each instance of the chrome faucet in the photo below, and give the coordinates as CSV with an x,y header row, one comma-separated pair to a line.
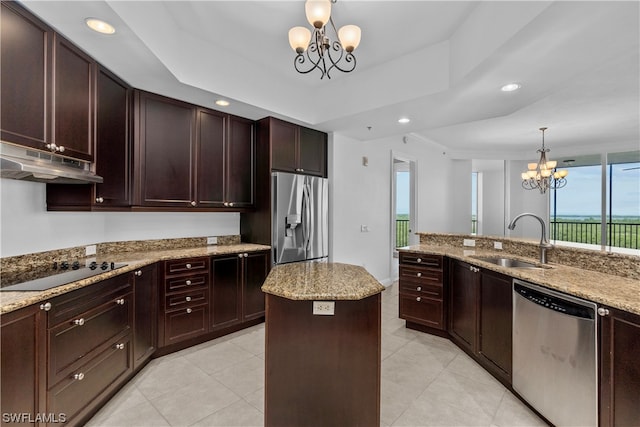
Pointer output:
x,y
544,243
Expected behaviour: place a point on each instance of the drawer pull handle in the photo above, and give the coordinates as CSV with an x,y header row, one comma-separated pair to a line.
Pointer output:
x,y
189,310
188,282
418,299
419,288
419,260
79,322
120,346
139,273
46,306
188,265
188,298
79,376
120,301
419,274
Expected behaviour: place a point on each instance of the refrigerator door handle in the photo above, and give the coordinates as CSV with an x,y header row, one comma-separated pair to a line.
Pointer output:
x,y
306,209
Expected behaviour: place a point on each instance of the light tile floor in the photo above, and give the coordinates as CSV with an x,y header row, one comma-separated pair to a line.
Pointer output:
x,y
426,381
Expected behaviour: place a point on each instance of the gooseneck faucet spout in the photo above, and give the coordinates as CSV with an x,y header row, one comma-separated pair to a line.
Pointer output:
x,y
544,243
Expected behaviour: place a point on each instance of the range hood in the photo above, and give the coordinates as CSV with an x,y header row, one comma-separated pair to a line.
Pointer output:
x,y
17,162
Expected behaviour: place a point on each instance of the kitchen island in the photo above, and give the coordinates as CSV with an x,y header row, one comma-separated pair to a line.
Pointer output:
x,y
322,334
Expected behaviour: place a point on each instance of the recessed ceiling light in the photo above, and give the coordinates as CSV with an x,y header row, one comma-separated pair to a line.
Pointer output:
x,y
510,87
100,26
222,102
403,120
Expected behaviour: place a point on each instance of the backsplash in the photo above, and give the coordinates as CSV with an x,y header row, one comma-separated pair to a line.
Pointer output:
x,y
600,261
27,262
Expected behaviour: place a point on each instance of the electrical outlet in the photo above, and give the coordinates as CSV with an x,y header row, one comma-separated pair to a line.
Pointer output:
x,y
497,245
212,240
469,242
324,308
364,228
90,250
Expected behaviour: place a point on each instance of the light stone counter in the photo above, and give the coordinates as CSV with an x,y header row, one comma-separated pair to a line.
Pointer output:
x,y
608,289
321,281
10,301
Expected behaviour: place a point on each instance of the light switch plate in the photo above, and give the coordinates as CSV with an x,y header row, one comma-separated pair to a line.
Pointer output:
x,y
90,250
212,240
469,242
324,308
364,228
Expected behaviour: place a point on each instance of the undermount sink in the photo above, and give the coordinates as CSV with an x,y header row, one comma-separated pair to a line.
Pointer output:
x,y
509,262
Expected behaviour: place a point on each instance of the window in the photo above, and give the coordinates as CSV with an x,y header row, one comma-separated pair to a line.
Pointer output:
x,y
595,211
474,202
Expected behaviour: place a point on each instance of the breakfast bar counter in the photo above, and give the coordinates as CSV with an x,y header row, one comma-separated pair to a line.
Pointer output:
x,y
322,338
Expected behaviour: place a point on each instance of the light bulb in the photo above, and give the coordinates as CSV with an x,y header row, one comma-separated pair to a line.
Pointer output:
x,y
318,12
349,36
299,38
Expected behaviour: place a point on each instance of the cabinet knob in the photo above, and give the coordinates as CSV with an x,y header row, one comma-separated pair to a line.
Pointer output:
x,y
120,301
138,273
246,255
187,299
419,288
189,310
240,255
60,149
46,306
120,346
79,322
419,260
99,199
231,204
193,203
418,299
603,311
79,376
188,282
188,265
419,274
226,203
55,148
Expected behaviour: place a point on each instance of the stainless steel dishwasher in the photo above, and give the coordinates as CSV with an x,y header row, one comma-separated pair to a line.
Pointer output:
x,y
555,365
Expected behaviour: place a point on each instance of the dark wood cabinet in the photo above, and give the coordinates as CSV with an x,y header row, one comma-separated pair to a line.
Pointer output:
x,y
184,313
422,290
145,314
74,79
255,271
463,304
113,153
619,368
296,149
226,290
25,76
495,323
226,160
23,363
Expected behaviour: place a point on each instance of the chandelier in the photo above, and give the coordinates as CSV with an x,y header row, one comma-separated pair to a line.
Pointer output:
x,y
317,50
544,175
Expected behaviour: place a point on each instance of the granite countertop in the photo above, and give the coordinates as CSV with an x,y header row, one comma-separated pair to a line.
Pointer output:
x,y
608,289
10,301
321,281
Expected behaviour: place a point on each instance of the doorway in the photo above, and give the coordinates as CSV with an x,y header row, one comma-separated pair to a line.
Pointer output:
x,y
403,205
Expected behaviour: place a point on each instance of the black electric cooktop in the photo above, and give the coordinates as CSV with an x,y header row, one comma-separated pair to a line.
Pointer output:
x,y
63,275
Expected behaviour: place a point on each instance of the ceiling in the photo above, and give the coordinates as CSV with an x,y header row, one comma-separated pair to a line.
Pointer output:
x,y
439,63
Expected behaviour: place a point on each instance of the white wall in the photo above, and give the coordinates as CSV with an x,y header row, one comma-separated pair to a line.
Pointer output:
x,y
361,195
493,203
521,200
27,227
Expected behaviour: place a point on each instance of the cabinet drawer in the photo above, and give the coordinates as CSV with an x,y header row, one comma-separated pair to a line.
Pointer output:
x,y
189,298
93,380
187,322
420,275
182,266
69,306
184,283
425,260
421,310
75,340
421,290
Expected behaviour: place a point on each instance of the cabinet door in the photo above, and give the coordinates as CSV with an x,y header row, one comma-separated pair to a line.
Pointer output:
x,y
256,268
284,137
225,291
312,157
25,72
145,313
23,362
165,152
211,158
73,99
463,305
240,178
620,370
494,341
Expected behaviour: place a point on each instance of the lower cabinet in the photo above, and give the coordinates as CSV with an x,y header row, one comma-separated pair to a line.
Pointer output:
x,y
23,364
619,368
145,314
422,290
480,316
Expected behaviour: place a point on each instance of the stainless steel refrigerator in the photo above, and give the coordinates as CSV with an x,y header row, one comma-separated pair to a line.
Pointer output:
x,y
300,217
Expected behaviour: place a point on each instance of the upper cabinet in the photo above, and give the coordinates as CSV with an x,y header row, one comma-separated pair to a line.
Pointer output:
x,y
296,149
190,157
49,84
